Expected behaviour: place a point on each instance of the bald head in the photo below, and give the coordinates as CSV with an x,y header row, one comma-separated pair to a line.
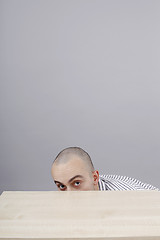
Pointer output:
x,y
73,170
69,153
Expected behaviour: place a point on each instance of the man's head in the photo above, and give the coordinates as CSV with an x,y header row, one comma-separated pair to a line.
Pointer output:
x,y
73,170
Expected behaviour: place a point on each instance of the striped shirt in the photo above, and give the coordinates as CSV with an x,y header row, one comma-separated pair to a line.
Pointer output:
x,y
115,182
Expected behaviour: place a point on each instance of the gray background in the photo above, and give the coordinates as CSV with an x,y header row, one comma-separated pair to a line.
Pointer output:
x,y
79,73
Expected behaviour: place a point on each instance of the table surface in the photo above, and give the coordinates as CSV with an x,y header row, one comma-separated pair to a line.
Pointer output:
x,y
80,215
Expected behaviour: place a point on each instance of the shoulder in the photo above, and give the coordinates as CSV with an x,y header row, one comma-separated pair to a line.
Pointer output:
x,y
117,182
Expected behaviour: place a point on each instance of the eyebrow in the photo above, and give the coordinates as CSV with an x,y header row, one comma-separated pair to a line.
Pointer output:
x,y
70,180
77,176
58,182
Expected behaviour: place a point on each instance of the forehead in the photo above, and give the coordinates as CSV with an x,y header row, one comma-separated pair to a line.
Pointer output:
x,y
64,171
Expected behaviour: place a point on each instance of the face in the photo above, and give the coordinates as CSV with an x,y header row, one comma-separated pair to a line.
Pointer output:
x,y
74,176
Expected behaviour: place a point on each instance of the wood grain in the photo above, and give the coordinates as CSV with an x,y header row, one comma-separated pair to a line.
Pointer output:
x,y
111,215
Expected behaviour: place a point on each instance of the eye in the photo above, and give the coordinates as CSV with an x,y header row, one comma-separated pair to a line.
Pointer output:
x,y
62,187
77,183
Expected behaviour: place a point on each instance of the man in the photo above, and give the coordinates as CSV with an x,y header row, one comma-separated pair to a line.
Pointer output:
x,y
73,170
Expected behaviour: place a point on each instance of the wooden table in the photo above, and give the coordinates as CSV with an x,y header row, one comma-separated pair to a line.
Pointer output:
x,y
114,215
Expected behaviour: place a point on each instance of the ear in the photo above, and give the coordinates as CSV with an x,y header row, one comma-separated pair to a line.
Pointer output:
x,y
95,177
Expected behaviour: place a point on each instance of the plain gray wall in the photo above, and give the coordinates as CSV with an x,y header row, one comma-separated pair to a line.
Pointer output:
x,y
79,73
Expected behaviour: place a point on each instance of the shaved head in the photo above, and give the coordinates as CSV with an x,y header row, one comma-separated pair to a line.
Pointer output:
x,y
69,153
73,170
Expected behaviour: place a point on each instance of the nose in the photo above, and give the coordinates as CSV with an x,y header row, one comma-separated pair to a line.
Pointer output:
x,y
70,189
